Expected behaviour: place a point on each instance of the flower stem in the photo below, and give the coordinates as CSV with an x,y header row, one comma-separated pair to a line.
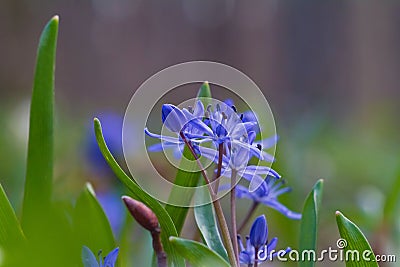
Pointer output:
x,y
219,166
255,257
158,248
233,212
217,207
248,216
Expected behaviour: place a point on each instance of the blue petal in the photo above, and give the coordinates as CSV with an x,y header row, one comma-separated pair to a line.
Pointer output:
x,y
88,258
272,244
165,138
259,232
243,192
282,209
111,258
269,142
173,118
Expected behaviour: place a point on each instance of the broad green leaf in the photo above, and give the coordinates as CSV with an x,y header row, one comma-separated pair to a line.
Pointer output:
x,y
309,222
197,254
167,226
11,234
207,224
39,170
91,225
186,178
355,244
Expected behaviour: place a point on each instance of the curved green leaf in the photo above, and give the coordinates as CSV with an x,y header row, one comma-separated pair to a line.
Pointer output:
x,y
309,222
356,244
39,170
166,223
91,225
207,224
11,234
197,254
186,178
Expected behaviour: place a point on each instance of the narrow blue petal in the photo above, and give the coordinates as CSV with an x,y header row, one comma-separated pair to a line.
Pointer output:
x,y
282,209
240,243
281,191
88,258
198,109
163,137
111,258
243,192
259,232
272,244
269,142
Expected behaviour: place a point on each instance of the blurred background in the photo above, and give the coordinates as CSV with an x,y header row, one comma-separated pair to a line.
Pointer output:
x,y
330,71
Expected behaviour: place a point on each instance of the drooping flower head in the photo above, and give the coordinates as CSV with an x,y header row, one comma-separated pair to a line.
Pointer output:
x,y
267,193
89,259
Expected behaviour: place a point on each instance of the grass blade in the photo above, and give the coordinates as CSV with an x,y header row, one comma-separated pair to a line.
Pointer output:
x,y
197,254
39,171
11,234
355,242
309,222
167,226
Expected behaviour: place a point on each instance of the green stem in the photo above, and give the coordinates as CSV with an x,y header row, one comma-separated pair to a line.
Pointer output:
x,y
233,212
217,206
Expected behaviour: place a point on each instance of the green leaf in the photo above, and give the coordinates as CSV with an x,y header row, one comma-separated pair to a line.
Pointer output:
x,y
197,254
11,234
167,226
355,241
392,201
39,170
309,222
186,178
206,221
91,225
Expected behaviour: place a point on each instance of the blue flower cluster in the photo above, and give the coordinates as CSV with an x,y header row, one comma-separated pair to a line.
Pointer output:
x,y
232,137
226,129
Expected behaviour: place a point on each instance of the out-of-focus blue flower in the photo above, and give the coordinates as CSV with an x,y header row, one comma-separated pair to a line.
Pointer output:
x,y
267,193
112,131
89,259
258,243
102,173
113,208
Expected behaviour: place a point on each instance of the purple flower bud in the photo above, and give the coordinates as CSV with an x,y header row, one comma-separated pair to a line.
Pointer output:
x,y
142,214
259,232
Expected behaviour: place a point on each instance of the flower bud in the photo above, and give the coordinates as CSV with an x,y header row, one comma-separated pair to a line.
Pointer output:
x,y
259,232
142,214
